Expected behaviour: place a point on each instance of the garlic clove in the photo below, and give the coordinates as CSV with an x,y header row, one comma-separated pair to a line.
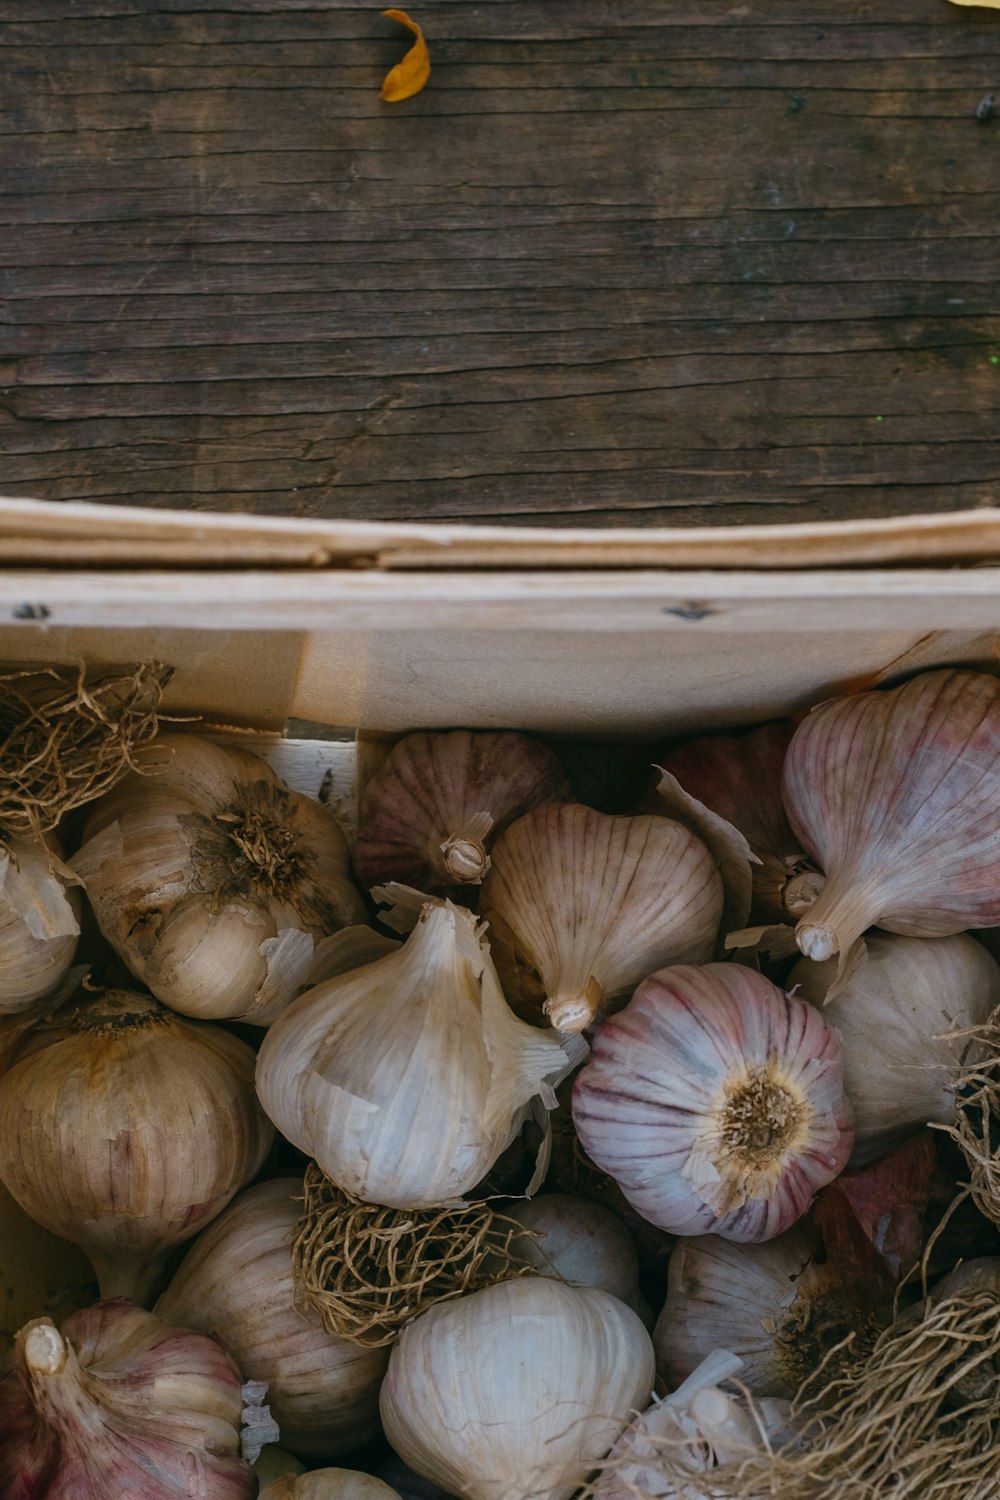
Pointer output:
x,y
125,1129
213,882
39,921
716,1103
329,1484
430,813
513,1393
897,1020
582,906
896,796
120,1404
406,1079
236,1283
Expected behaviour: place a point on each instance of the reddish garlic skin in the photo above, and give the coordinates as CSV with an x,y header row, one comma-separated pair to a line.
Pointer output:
x,y
738,776
896,795
716,1102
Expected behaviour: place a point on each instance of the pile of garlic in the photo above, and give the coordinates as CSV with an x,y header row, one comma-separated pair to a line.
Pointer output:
x,y
249,1096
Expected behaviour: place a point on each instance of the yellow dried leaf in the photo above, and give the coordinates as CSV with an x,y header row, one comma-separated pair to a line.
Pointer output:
x,y
409,76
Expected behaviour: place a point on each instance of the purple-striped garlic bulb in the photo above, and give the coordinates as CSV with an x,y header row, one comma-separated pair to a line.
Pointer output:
x,y
582,906
716,1102
120,1404
896,796
432,811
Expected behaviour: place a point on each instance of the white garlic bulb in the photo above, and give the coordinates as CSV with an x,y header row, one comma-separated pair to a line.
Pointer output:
x,y
581,906
236,1283
120,1405
329,1484
579,1242
755,1299
213,883
513,1393
406,1079
894,1018
39,921
126,1128
716,1102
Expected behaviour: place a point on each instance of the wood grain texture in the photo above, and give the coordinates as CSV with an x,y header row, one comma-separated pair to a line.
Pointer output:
x,y
619,263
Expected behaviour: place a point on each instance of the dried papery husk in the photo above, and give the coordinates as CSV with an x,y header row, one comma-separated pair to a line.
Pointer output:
x,y
773,1305
432,811
366,1270
515,1392
68,735
236,1283
213,882
582,906
896,797
716,1102
329,1484
405,1080
119,1404
918,1416
126,1128
578,1242
39,921
895,1019
976,1128
738,776
734,859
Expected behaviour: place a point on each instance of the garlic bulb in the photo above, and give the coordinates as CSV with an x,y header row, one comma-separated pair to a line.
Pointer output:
x,y
213,882
896,796
126,1129
579,1242
582,906
275,1463
716,1103
738,776
236,1283
515,1392
406,1079
329,1484
118,1404
399,1476
894,1017
768,1303
39,921
439,801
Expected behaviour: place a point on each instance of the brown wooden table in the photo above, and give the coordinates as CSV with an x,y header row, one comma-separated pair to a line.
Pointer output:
x,y
619,263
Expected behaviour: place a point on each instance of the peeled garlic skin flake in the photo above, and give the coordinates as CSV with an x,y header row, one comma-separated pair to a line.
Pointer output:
x,y
896,795
716,1102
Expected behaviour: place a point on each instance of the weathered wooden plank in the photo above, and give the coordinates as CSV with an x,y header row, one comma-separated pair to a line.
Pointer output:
x,y
665,263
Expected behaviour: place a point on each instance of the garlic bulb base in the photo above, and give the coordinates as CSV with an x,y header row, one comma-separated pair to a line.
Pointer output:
x,y
801,891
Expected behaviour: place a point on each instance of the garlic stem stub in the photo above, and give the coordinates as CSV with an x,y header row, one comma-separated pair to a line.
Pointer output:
x,y
213,882
406,1079
119,1404
581,906
236,1284
430,814
329,1484
125,1128
716,1102
515,1392
896,797
898,1019
39,921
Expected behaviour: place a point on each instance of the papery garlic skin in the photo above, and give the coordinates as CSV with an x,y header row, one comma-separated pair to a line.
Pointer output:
x,y
432,811
753,1298
514,1392
894,1019
581,906
406,1079
578,1242
236,1284
125,1129
329,1484
213,882
896,796
39,921
121,1405
716,1102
